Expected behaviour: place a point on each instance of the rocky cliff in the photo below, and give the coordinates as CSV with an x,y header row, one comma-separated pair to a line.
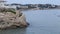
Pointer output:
x,y
12,19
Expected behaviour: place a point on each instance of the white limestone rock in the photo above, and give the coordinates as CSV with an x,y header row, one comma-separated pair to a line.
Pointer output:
x,y
10,20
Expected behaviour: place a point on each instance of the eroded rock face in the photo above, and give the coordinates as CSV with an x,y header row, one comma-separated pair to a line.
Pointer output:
x,y
10,20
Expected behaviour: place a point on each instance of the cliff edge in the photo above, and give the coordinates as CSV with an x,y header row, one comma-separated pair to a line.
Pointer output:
x,y
10,18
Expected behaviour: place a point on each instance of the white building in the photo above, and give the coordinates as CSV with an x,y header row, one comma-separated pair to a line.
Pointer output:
x,y
2,5
2,2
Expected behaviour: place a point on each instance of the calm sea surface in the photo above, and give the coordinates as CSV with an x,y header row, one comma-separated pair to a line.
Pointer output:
x,y
41,22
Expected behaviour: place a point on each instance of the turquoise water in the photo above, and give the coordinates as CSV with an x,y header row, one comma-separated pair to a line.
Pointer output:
x,y
41,22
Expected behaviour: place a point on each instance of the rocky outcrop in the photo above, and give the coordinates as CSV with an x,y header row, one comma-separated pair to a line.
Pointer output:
x,y
11,20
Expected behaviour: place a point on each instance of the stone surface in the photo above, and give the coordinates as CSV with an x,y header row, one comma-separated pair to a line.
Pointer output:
x,y
10,20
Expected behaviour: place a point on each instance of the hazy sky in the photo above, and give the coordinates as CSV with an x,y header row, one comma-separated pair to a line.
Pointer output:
x,y
35,1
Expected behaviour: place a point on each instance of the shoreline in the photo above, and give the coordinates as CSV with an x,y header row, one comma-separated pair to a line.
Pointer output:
x,y
39,9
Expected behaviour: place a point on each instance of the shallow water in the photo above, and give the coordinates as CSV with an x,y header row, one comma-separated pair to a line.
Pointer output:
x,y
41,22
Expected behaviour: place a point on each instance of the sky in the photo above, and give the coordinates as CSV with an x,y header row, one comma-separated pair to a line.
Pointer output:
x,y
57,2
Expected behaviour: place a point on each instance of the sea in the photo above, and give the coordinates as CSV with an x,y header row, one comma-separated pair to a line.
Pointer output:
x,y
41,22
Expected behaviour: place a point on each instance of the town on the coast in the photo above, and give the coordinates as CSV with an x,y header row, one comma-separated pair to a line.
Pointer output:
x,y
28,6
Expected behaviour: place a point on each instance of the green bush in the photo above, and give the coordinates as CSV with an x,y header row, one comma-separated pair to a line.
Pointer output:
x,y
8,10
11,10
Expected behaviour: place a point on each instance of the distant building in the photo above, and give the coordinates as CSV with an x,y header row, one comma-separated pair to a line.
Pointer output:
x,y
4,5
51,6
2,2
32,5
